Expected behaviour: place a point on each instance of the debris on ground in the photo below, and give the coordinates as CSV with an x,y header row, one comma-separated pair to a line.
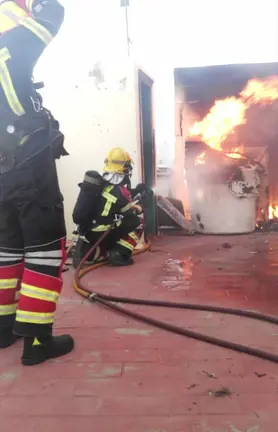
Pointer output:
x,y
267,226
223,392
210,374
226,245
191,386
260,375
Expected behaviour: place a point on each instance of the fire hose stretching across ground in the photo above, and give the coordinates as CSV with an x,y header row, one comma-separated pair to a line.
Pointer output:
x,y
110,303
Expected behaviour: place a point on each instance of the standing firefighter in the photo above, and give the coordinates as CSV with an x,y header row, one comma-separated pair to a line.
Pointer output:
x,y
105,200
32,227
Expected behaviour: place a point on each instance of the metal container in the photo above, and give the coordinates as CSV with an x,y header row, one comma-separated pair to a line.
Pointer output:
x,y
224,207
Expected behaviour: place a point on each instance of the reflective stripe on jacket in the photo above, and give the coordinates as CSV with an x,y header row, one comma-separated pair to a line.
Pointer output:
x,y
22,42
12,16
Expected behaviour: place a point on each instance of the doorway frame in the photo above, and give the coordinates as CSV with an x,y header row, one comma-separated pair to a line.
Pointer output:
x,y
151,210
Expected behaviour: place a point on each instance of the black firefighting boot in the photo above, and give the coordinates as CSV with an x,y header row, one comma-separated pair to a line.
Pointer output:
x,y
7,338
82,247
118,259
38,350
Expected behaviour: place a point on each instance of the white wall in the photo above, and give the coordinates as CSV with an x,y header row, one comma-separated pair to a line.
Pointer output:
x,y
93,122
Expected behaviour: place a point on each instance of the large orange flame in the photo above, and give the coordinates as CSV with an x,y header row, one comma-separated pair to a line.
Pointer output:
x,y
228,113
272,212
223,117
260,91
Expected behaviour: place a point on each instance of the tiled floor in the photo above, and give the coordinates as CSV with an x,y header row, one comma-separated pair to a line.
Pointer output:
x,y
126,376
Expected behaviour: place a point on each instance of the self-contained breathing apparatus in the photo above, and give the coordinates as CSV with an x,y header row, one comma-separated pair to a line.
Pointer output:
x,y
90,192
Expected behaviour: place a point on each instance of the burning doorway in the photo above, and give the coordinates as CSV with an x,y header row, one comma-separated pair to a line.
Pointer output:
x,y
227,117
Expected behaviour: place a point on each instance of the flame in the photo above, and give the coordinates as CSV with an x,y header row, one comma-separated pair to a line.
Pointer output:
x,y
224,116
272,212
235,154
262,92
229,113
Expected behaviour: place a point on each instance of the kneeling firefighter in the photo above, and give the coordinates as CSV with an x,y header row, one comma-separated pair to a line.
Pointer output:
x,y
32,226
108,200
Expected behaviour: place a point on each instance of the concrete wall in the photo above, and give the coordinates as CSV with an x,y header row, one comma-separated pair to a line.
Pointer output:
x,y
93,121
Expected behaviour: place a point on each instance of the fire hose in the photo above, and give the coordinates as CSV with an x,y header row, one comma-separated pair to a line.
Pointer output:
x,y
110,302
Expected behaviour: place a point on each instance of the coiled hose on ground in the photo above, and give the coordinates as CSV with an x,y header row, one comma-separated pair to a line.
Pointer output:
x,y
110,303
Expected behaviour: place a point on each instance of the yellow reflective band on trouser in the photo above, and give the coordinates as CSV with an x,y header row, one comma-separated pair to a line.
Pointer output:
x,y
101,228
7,84
39,293
125,244
134,236
34,317
44,35
8,309
8,284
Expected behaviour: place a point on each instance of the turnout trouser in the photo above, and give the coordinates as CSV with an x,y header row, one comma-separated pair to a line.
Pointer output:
x,y
123,238
32,249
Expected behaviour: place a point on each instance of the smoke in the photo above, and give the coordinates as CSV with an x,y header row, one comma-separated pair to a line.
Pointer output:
x,y
261,127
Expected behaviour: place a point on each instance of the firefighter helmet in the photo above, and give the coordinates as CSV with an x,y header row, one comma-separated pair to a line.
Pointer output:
x,y
118,161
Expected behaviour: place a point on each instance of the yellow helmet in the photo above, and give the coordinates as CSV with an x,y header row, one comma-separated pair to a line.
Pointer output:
x,y
118,161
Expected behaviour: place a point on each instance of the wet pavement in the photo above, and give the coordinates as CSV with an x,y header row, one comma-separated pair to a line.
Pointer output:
x,y
127,376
